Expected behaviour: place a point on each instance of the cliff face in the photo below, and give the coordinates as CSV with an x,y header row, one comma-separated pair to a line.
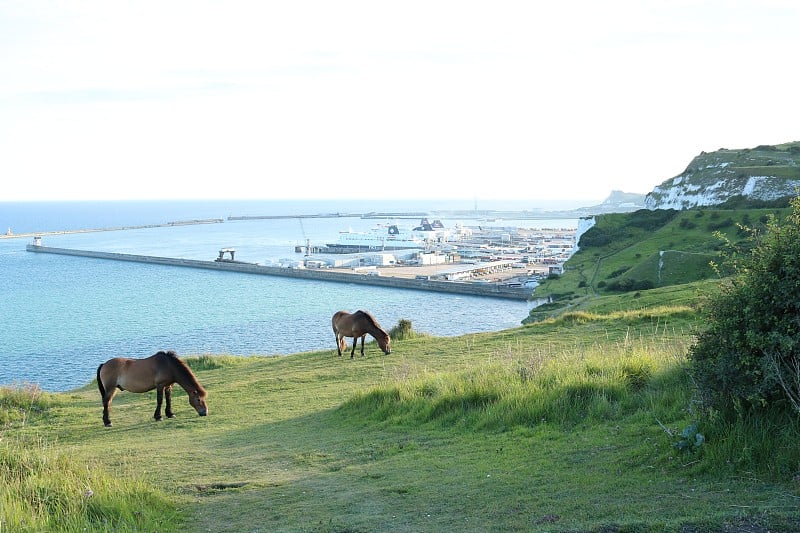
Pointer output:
x,y
761,173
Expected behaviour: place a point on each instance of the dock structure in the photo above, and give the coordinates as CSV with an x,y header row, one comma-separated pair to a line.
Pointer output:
x,y
222,253
455,287
11,235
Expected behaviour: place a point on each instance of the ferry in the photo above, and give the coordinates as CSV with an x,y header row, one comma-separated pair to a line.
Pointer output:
x,y
383,237
388,237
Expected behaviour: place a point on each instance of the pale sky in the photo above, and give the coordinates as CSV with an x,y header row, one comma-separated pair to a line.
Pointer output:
x,y
414,99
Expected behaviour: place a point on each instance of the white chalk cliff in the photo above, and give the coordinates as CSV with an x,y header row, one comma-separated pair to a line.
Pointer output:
x,y
762,173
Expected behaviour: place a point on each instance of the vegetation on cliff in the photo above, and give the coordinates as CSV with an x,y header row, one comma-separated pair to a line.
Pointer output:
x,y
627,253
763,173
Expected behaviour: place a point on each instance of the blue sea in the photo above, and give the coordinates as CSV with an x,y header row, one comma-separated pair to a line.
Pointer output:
x,y
61,316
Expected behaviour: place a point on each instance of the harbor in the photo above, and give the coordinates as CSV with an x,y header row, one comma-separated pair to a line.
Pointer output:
x,y
479,260
504,256
67,311
332,275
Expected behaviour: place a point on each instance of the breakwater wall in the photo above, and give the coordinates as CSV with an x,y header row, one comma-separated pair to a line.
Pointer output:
x,y
455,287
117,228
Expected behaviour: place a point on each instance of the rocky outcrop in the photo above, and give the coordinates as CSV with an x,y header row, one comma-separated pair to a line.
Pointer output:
x,y
761,173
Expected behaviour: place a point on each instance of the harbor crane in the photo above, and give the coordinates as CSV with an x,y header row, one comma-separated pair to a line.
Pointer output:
x,y
308,241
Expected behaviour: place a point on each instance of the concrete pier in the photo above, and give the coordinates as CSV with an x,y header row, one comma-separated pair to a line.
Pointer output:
x,y
473,289
12,235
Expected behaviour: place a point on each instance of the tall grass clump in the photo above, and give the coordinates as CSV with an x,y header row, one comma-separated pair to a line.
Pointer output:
x,y
211,362
766,445
560,386
43,489
403,330
21,402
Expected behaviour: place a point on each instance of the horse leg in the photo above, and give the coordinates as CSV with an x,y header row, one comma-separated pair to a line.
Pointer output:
x,y
338,343
159,400
109,395
105,397
364,336
168,397
353,351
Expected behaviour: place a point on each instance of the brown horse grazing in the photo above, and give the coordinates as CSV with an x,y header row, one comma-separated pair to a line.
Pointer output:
x,y
159,371
357,325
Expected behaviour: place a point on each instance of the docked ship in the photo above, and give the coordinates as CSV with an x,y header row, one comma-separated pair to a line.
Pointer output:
x,y
391,237
383,237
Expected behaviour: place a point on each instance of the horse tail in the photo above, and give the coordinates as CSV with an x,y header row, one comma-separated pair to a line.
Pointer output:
x,y
100,382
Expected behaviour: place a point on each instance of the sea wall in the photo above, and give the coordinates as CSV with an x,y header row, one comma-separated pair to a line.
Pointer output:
x,y
473,289
11,235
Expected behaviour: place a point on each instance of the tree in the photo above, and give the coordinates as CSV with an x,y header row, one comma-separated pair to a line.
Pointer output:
x,y
749,356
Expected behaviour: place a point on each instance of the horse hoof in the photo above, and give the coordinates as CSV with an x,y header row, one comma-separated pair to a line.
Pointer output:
x,y
170,416
107,424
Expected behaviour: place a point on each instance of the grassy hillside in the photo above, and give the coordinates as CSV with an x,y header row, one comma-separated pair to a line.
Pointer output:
x,y
632,252
584,423
771,172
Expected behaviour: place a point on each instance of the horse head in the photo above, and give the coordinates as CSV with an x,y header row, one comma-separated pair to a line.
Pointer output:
x,y
197,399
385,343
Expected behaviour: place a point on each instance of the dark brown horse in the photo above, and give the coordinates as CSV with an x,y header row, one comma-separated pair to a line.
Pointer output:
x,y
159,371
357,325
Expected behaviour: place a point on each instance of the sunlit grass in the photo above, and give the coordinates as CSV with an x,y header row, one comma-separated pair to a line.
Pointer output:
x,y
536,428
45,489
594,383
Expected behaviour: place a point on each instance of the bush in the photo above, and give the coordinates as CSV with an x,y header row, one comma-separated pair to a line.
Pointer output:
x,y
651,220
620,271
716,226
594,238
402,330
630,284
748,359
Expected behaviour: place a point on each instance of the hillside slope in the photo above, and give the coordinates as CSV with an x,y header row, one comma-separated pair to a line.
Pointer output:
x,y
762,173
633,252
568,425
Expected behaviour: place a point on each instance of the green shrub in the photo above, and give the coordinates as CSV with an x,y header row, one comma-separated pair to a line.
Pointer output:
x,y
618,272
629,284
594,238
403,330
716,226
749,356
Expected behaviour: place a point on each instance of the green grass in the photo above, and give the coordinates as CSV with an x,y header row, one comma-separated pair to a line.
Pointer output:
x,y
569,424
781,171
633,252
45,488
688,295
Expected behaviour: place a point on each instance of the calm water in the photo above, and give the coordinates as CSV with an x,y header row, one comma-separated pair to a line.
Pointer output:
x,y
61,316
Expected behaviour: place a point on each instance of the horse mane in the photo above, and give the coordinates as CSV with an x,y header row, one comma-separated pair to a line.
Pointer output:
x,y
183,369
371,318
